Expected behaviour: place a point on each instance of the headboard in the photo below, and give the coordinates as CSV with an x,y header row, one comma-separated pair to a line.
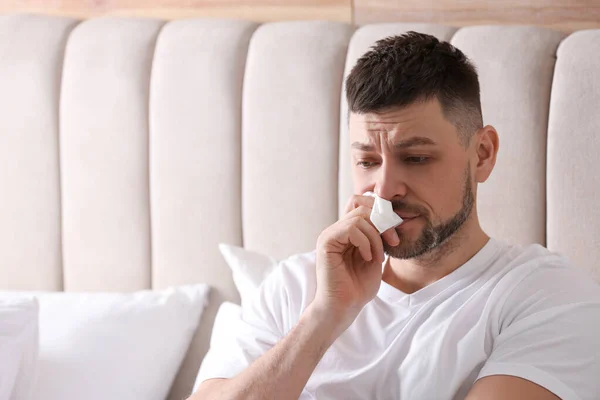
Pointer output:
x,y
130,147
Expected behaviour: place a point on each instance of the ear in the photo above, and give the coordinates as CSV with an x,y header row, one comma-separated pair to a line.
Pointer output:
x,y
486,149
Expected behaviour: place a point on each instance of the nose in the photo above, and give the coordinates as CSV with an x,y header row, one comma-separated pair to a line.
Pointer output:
x,y
389,183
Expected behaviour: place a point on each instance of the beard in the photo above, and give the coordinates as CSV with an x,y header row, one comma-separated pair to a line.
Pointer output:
x,y
433,235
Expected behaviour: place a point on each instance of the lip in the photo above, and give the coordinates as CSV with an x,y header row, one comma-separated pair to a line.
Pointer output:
x,y
406,221
407,216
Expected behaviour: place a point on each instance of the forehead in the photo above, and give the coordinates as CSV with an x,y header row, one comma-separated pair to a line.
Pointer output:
x,y
424,119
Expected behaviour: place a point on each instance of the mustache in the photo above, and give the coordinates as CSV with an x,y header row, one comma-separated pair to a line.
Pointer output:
x,y
402,206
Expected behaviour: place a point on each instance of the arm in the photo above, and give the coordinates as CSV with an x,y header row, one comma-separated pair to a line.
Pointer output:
x,y
283,371
348,274
504,387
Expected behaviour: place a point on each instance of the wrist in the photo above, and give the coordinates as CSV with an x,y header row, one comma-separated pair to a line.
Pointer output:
x,y
327,322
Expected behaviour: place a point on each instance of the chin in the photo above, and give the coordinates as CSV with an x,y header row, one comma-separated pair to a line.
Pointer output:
x,y
413,242
405,250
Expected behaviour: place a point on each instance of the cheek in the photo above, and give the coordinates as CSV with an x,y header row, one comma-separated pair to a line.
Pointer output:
x,y
442,192
362,181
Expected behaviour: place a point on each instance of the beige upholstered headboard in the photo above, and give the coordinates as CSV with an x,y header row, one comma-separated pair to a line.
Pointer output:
x,y
129,147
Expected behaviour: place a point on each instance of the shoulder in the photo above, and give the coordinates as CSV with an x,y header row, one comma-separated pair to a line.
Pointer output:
x,y
536,279
290,288
299,268
535,269
296,275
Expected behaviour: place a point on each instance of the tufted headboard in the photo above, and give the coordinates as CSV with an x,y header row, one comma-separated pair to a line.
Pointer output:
x,y
130,147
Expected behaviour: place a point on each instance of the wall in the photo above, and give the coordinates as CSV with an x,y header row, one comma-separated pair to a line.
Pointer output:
x,y
257,10
565,15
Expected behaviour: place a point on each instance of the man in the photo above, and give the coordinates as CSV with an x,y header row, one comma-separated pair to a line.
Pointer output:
x,y
433,309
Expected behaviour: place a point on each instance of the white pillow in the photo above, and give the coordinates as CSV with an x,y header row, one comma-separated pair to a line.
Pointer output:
x,y
249,269
99,346
228,315
18,347
225,322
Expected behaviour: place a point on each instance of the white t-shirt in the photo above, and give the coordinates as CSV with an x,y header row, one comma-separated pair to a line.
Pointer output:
x,y
509,310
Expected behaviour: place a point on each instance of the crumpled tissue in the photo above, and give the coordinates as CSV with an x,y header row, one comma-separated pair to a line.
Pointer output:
x,y
383,215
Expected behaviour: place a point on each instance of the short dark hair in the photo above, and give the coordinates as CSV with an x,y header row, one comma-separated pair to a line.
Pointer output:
x,y
401,70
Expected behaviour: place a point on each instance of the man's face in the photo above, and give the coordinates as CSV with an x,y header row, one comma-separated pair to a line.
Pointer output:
x,y
413,157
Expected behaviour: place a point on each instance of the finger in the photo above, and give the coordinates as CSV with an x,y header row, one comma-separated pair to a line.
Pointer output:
x,y
374,239
391,237
357,200
359,240
365,213
360,211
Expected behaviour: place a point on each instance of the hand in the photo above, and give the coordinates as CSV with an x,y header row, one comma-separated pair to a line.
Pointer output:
x,y
355,201
349,258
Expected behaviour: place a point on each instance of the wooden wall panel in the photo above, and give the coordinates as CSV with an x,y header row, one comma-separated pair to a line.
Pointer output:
x,y
565,15
255,10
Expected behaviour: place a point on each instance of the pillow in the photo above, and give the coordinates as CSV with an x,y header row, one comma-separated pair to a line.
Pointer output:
x,y
99,346
18,347
226,320
249,269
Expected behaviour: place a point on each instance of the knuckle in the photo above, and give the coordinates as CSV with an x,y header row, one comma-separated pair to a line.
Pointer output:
x,y
351,204
356,201
354,221
354,198
323,237
364,209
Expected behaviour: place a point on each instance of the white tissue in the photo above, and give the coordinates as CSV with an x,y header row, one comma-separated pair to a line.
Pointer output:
x,y
383,215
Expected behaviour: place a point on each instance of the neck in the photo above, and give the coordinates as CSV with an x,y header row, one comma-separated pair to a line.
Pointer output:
x,y
414,274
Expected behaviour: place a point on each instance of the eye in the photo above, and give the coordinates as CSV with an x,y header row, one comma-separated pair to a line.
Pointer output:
x,y
366,164
416,160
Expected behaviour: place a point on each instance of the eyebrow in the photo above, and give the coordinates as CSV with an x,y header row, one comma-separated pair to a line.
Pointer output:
x,y
403,144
